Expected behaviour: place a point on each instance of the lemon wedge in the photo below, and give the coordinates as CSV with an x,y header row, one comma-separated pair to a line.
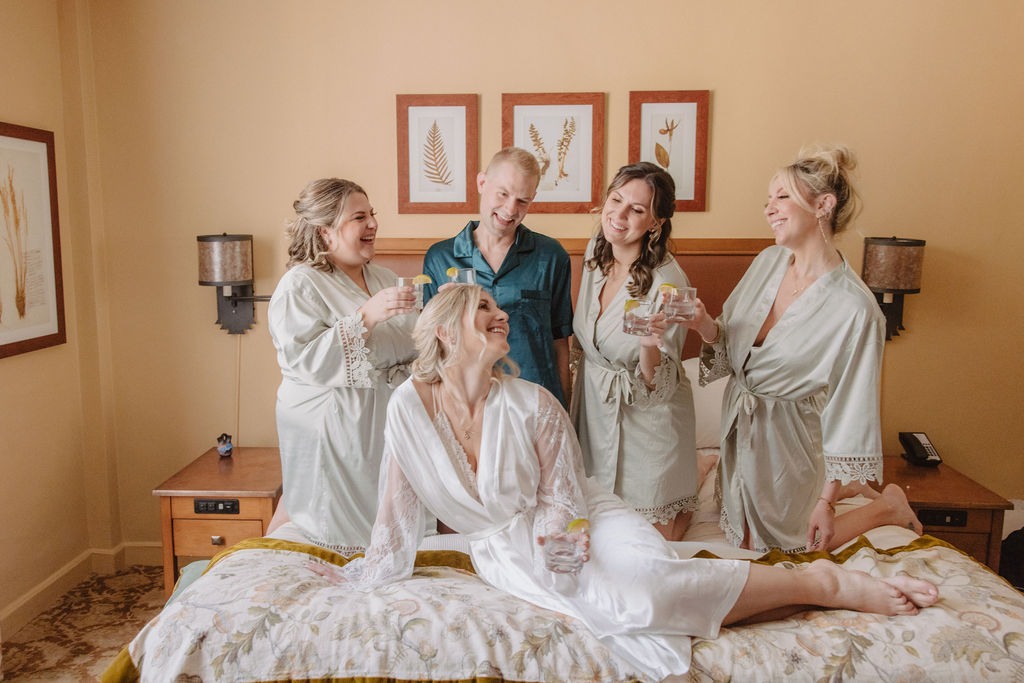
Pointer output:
x,y
630,305
452,272
421,279
579,524
667,287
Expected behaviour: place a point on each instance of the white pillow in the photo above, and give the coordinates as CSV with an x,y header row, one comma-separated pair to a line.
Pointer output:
x,y
707,405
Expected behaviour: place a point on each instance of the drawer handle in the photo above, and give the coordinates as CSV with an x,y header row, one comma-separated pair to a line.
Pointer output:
x,y
216,540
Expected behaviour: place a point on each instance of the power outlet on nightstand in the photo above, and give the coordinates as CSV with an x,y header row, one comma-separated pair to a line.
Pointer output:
x,y
216,506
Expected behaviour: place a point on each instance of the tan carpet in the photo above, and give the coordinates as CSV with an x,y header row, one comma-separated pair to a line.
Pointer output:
x,y
81,635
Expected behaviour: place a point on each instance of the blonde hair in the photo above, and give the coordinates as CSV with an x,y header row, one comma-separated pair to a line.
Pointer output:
x,y
442,318
521,160
822,170
321,204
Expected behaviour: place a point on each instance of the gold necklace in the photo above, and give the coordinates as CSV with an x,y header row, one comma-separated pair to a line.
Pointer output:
x,y
463,425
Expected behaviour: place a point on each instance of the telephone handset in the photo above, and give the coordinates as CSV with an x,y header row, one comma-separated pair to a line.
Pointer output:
x,y
919,450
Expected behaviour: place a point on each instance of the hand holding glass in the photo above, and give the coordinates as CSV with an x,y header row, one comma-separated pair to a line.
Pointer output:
x,y
636,317
563,554
678,303
417,289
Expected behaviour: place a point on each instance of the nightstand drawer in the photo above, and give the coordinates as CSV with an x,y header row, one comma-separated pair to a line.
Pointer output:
x,y
194,536
248,508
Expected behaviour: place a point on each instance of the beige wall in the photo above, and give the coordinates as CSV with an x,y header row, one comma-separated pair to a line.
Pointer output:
x,y
193,117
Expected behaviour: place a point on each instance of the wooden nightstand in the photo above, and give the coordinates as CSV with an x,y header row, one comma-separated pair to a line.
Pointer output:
x,y
952,506
215,502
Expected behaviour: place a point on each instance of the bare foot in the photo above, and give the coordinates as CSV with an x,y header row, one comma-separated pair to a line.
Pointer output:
x,y
920,592
901,514
851,589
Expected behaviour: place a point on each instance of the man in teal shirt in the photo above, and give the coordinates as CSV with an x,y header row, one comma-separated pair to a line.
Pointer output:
x,y
527,273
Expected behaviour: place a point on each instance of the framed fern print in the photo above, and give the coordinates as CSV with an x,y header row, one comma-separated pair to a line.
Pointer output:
x,y
670,128
565,131
31,283
438,152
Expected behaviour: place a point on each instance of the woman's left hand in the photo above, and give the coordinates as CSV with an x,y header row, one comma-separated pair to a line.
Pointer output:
x,y
821,528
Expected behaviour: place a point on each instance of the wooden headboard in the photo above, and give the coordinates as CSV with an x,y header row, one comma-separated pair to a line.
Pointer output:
x,y
714,265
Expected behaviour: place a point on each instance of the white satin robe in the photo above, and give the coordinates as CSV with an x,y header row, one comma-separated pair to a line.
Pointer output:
x,y
637,442
634,592
800,409
331,405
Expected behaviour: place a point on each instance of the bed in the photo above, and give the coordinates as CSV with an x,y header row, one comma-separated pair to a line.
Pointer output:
x,y
263,611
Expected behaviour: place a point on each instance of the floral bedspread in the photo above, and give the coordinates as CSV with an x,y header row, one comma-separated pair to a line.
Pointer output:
x,y
262,613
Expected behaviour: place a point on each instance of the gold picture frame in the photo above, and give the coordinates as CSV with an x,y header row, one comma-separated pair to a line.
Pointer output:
x,y
670,128
31,279
565,131
438,153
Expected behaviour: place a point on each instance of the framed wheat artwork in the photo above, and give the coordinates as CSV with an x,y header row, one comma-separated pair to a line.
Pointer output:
x,y
438,152
31,284
670,128
565,131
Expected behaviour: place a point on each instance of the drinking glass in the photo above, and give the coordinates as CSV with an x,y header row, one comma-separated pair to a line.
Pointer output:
x,y
562,555
417,289
636,317
466,276
679,304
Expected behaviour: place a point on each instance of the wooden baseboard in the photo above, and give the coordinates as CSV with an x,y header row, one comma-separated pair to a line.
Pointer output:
x,y
95,560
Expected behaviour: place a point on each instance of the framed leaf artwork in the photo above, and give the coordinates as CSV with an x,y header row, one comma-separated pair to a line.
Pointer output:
x,y
670,129
31,283
438,152
565,131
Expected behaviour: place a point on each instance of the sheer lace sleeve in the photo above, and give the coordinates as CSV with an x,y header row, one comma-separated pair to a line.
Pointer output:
x,y
560,495
396,534
314,345
714,358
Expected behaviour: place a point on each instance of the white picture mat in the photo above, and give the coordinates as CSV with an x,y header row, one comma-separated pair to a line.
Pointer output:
x,y
549,121
451,121
28,161
683,148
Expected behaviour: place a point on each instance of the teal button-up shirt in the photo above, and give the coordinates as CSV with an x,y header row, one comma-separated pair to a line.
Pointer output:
x,y
532,286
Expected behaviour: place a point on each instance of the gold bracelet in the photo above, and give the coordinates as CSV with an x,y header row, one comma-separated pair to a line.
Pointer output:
x,y
829,504
718,335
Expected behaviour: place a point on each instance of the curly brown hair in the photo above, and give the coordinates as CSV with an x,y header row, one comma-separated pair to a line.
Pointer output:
x,y
656,249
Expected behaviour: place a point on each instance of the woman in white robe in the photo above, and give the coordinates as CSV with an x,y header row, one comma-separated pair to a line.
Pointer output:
x,y
495,458
343,334
632,403
801,339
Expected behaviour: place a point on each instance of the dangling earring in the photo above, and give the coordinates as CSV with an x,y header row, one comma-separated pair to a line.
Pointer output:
x,y
822,217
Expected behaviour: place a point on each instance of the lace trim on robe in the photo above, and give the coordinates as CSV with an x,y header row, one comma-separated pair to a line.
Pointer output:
x,y
665,382
663,514
731,536
456,453
355,354
860,468
714,361
343,550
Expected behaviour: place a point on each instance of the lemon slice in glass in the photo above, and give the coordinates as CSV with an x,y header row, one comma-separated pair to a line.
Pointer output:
x,y
579,524
630,305
666,287
452,272
421,279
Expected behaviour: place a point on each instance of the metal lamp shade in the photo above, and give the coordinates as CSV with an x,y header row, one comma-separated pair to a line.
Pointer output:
x,y
225,260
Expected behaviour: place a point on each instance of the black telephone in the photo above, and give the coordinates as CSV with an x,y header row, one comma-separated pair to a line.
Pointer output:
x,y
920,450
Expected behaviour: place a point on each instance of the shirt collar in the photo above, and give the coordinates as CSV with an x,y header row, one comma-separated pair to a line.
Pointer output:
x,y
464,245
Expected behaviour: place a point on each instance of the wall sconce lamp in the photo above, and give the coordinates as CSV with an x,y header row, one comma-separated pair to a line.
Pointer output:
x,y
892,268
225,261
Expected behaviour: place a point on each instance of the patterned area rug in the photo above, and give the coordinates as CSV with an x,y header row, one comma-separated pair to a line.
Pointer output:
x,y
78,638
